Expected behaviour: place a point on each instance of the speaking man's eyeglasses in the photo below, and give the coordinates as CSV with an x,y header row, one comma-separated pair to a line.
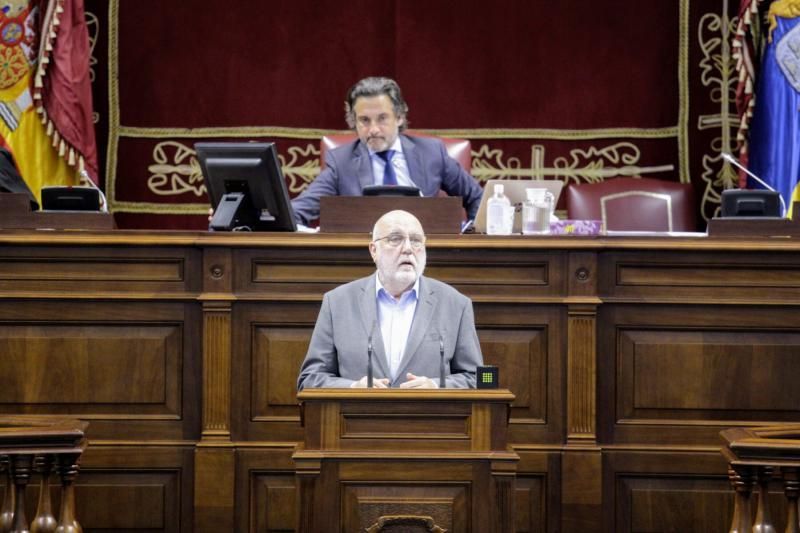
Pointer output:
x,y
395,240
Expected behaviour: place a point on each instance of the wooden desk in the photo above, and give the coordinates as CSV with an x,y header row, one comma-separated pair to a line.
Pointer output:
x,y
626,356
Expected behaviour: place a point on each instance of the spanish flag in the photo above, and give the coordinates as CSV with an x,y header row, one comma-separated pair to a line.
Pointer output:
x,y
45,91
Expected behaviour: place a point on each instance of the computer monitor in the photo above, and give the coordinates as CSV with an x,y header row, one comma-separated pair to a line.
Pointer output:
x,y
245,186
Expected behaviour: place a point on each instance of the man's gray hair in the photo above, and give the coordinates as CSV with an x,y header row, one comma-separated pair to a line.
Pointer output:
x,y
376,87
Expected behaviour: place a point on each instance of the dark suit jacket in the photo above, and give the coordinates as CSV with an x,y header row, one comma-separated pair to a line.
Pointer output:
x,y
10,179
349,170
337,354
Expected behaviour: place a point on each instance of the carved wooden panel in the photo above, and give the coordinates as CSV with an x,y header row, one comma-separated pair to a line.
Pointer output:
x,y
92,368
521,356
530,503
299,272
514,274
364,503
265,488
527,343
135,489
277,355
129,368
270,341
675,276
667,491
86,270
538,492
680,374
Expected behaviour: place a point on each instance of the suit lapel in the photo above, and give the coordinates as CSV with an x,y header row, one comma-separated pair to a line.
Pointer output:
x,y
423,317
369,317
413,161
363,166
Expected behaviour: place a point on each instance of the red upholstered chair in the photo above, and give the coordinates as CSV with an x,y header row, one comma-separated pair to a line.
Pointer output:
x,y
459,149
634,204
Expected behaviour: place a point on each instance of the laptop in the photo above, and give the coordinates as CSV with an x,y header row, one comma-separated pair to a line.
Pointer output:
x,y
515,191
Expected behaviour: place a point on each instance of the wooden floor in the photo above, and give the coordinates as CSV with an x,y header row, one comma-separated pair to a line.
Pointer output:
x,y
627,356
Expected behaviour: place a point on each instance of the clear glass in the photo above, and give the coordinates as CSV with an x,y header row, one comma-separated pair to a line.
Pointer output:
x,y
536,212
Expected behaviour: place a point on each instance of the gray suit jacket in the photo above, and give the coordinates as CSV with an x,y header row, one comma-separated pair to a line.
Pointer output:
x,y
337,355
349,169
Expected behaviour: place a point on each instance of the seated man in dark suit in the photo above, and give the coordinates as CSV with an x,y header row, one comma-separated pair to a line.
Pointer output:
x,y
383,155
10,179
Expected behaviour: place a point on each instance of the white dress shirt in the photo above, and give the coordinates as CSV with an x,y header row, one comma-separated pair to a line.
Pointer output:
x,y
395,317
398,162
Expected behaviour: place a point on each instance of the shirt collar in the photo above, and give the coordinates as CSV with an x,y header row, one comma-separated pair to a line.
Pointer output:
x,y
379,288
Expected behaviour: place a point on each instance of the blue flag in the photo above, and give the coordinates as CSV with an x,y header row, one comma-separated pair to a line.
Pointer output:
x,y
775,130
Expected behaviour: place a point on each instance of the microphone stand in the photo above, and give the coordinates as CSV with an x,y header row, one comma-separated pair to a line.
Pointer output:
x,y
369,361
441,362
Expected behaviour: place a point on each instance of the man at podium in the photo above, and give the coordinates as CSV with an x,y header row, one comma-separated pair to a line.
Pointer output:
x,y
408,330
383,155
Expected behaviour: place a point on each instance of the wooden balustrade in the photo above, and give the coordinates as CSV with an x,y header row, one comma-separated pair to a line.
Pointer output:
x,y
757,458
43,446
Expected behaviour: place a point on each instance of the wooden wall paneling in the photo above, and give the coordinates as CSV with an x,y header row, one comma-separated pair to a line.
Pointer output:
x,y
135,488
128,367
270,340
679,374
214,457
528,344
538,491
581,375
266,495
664,490
297,273
91,271
511,275
737,276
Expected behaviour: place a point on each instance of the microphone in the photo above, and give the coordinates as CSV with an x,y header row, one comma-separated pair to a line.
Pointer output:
x,y
732,160
441,362
88,180
369,356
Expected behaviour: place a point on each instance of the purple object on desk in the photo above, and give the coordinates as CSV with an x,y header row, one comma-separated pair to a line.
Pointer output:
x,y
576,227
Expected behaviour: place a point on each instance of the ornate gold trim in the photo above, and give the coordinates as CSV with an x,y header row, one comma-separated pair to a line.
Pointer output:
x,y
683,93
113,104
478,133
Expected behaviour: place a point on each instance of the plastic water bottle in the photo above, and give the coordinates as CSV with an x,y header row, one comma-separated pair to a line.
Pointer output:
x,y
499,213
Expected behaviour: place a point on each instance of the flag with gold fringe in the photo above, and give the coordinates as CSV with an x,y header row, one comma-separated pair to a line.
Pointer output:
x,y
45,91
774,135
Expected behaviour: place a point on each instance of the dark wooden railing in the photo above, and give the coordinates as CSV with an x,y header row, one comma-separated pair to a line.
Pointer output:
x,y
43,446
757,458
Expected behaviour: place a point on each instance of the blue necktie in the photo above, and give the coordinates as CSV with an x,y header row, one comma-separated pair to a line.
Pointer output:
x,y
389,177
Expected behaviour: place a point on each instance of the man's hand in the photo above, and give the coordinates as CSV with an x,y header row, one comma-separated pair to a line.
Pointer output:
x,y
380,383
418,382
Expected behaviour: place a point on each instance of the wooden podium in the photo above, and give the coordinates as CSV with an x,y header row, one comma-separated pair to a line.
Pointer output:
x,y
436,458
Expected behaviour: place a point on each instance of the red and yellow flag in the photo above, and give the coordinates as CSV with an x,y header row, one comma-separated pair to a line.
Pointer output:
x,y
45,91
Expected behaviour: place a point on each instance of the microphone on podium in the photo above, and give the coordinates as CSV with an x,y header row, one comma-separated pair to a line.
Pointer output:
x,y
442,384
369,356
732,160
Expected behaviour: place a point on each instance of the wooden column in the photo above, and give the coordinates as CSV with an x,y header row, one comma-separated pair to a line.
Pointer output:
x,y
581,467
214,457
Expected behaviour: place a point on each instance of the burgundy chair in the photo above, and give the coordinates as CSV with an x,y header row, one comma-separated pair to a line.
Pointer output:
x,y
458,149
634,204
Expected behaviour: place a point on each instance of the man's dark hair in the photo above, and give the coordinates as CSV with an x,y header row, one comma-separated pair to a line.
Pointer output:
x,y
376,87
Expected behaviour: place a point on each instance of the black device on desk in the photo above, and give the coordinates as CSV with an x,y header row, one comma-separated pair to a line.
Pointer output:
x,y
65,198
390,190
245,185
750,203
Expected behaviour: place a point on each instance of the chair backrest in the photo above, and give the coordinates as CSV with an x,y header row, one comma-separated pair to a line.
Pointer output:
x,y
458,149
634,204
